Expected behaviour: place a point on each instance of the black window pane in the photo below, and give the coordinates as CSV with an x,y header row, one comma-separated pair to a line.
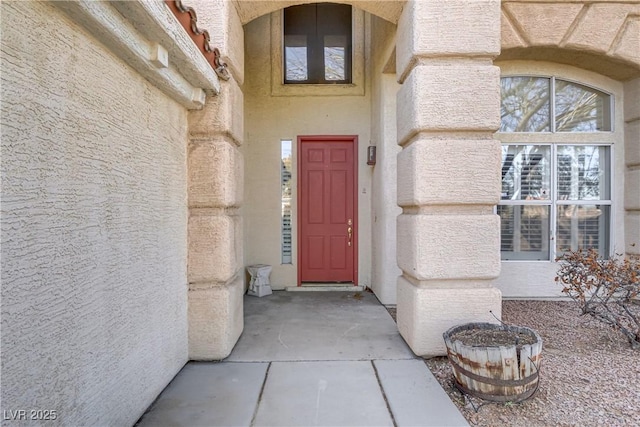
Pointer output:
x,y
317,44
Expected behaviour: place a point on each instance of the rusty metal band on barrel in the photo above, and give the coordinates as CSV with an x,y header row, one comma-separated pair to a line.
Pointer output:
x,y
496,398
494,381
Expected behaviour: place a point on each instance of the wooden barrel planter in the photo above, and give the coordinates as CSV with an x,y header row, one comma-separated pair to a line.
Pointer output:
x,y
499,363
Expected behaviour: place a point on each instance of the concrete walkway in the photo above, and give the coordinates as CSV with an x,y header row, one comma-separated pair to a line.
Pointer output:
x,y
309,359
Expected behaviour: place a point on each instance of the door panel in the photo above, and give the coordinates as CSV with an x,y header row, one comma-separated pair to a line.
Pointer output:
x,y
327,201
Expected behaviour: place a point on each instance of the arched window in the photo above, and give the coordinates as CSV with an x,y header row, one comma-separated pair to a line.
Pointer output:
x,y
556,193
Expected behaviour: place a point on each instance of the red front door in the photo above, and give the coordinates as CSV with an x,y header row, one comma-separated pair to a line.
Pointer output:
x,y
327,209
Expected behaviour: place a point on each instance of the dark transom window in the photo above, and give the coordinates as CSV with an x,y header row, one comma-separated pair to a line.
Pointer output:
x,y
317,44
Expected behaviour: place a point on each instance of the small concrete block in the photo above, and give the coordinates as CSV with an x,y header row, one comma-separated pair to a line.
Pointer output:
x,y
449,246
222,115
212,248
544,24
216,173
159,56
461,98
628,48
209,394
215,320
415,396
259,285
424,313
441,172
322,394
599,26
458,28
198,97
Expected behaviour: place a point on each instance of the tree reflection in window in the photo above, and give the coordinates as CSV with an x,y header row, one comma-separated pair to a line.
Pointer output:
x,y
526,106
580,108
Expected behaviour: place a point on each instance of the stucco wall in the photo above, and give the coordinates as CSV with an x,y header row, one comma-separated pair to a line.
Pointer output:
x,y
270,119
385,271
94,220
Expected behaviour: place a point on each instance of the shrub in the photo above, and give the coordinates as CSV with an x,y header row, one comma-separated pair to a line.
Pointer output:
x,y
606,289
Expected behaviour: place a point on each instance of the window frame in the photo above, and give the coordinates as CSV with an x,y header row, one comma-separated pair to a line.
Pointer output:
x,y
553,202
552,110
316,74
555,139
355,88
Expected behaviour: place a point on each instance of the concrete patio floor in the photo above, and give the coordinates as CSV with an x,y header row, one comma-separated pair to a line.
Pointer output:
x,y
309,359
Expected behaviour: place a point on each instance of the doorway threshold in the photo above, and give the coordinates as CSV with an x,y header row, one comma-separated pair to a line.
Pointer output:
x,y
325,287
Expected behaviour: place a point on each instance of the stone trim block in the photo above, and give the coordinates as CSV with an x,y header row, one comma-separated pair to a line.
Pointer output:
x,y
432,247
632,189
215,174
215,319
632,232
424,313
543,24
632,143
214,247
441,172
445,98
452,28
598,26
221,115
510,36
628,48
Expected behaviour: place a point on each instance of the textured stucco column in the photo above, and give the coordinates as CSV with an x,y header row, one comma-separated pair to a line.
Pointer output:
x,y
215,168
632,163
448,170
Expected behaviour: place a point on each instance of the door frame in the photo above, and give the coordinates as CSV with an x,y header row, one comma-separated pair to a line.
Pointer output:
x,y
353,139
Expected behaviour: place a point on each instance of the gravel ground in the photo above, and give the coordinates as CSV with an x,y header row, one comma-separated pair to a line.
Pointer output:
x,y
589,375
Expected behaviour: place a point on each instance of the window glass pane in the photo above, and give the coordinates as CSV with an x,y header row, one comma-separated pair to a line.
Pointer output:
x,y
524,232
525,104
583,227
295,54
583,172
581,109
285,174
334,57
526,172
317,43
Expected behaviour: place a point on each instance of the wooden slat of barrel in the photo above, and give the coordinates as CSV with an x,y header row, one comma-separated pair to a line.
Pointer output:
x,y
510,362
494,368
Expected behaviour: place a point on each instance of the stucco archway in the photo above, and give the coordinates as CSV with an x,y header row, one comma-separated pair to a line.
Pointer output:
x,y
387,9
217,154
